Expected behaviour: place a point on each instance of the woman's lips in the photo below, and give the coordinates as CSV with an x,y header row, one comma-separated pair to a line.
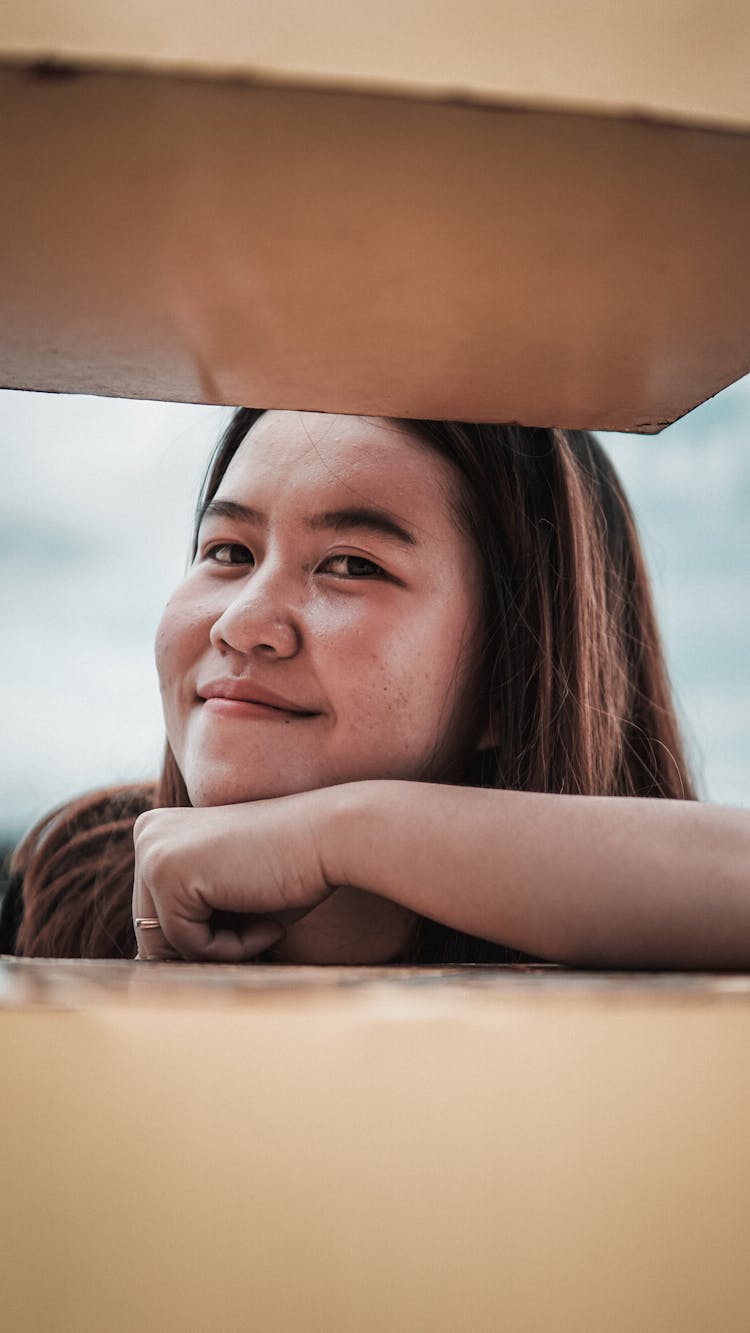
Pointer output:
x,y
237,708
244,698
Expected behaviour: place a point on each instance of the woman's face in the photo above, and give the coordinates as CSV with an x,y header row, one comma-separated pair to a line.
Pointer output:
x,y
329,629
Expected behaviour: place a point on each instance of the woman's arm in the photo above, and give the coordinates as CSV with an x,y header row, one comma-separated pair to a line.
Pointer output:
x,y
594,881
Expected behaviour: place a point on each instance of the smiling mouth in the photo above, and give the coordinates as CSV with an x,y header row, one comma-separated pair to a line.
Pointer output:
x,y
252,708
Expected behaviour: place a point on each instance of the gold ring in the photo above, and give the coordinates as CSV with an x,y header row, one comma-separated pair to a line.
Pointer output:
x,y
147,923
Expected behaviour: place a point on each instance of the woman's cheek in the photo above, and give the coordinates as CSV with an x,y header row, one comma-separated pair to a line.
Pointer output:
x,y
167,649
180,641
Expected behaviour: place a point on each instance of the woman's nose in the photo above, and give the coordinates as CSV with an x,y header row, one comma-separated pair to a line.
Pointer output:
x,y
259,619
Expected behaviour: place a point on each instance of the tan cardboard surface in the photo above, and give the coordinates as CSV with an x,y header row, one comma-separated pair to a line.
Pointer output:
x,y
662,57
197,241
195,1148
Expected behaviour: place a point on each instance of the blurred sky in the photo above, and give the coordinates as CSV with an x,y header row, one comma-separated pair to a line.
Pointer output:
x,y
95,518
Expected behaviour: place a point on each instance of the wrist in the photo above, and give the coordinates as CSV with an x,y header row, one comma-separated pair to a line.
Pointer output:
x,y
356,922
346,824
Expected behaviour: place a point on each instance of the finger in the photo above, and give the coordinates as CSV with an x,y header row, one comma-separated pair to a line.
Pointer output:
x,y
153,946
240,944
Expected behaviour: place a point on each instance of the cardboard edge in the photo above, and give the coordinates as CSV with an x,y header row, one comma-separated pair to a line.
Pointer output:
x,y
60,64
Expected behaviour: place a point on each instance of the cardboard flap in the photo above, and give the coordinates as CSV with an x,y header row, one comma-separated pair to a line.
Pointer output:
x,y
222,239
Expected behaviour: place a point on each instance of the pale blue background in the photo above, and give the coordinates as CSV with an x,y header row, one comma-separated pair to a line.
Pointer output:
x,y
94,529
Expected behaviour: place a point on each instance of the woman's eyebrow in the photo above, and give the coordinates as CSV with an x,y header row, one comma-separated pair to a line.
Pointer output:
x,y
364,516
354,516
232,510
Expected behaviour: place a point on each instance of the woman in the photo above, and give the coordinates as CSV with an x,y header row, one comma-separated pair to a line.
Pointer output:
x,y
406,659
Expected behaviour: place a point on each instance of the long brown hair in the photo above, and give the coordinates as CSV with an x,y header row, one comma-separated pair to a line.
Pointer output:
x,y
574,671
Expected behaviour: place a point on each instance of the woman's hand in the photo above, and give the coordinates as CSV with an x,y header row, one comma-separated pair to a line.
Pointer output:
x,y
590,880
225,881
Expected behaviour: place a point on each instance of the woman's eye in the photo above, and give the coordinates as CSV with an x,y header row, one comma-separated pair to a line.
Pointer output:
x,y
230,553
352,567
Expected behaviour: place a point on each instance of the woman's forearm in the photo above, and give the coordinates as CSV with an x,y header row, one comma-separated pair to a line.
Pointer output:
x,y
596,881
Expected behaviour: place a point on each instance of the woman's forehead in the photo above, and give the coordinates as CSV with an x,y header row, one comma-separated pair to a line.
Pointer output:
x,y
322,459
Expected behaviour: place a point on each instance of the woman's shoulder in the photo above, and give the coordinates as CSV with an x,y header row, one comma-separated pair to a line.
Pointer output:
x,y
95,810
71,872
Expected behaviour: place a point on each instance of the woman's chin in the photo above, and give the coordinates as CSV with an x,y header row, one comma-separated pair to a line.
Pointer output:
x,y
233,795
204,792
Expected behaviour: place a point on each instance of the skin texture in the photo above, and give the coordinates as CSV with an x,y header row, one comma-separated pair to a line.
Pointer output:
x,y
375,637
